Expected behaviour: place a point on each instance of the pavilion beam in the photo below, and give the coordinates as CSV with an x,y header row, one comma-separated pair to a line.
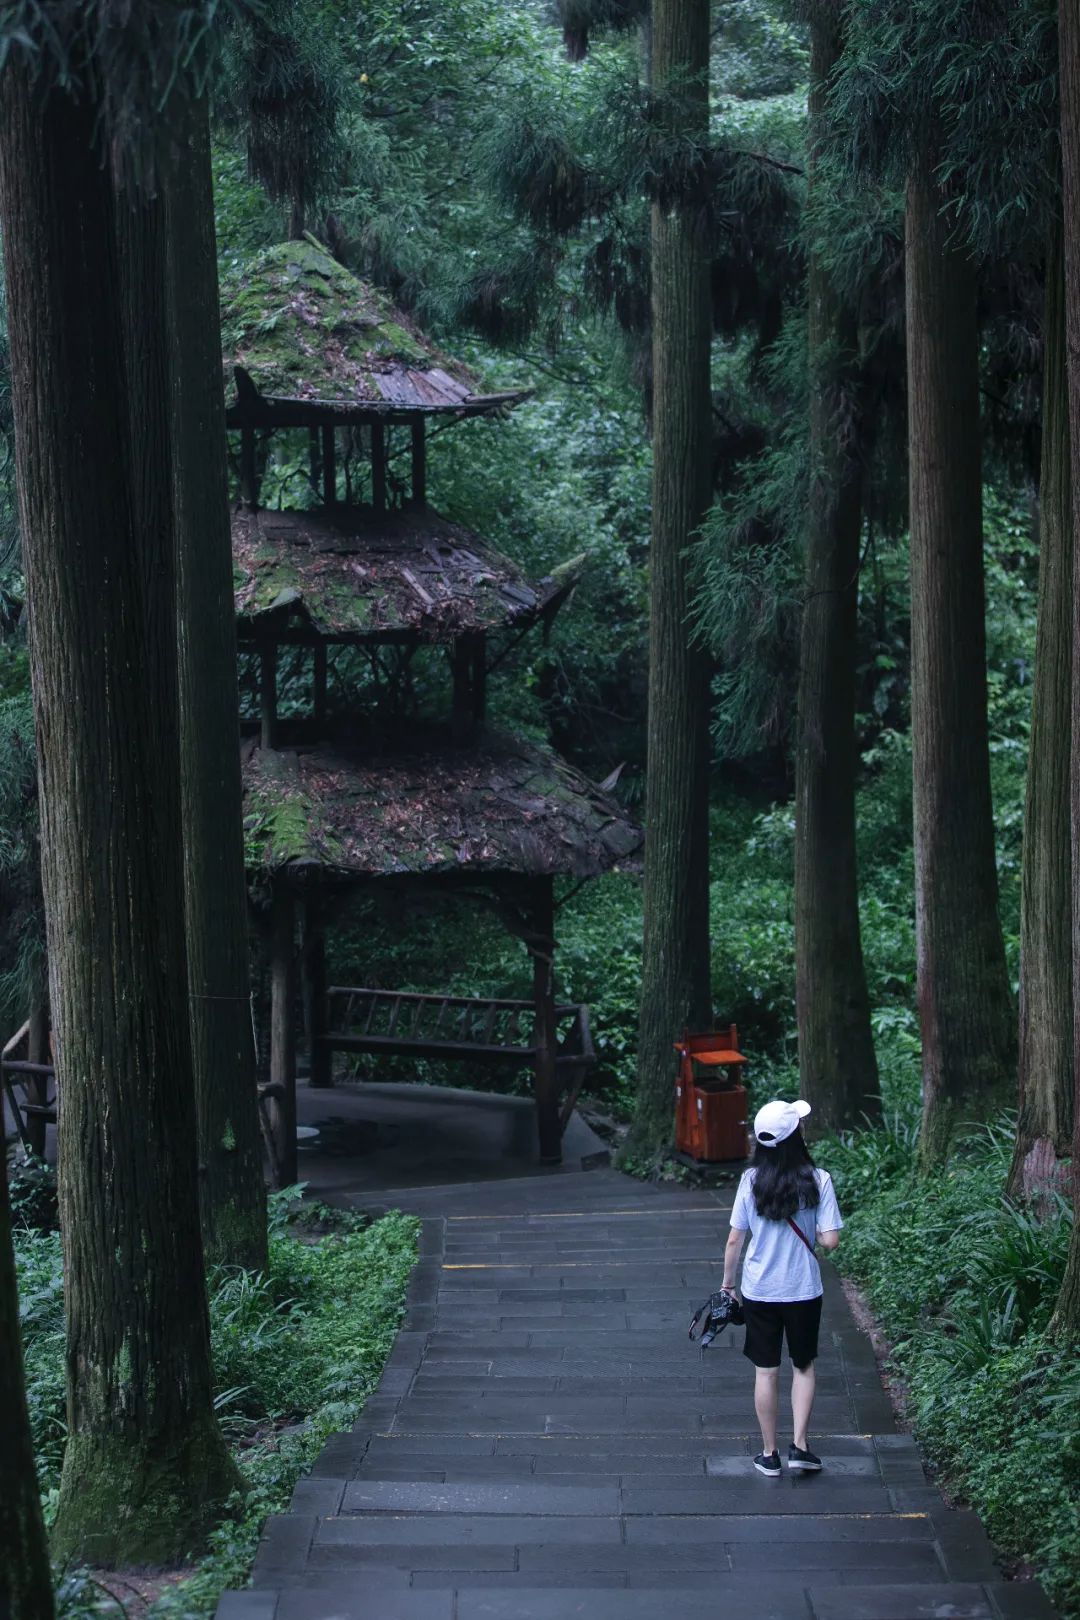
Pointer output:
x,y
320,1057
378,466
461,714
545,1072
478,652
249,473
329,467
268,695
282,1092
419,463
318,705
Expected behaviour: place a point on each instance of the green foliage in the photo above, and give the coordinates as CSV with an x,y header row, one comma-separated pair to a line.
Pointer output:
x,y
964,1284
297,1351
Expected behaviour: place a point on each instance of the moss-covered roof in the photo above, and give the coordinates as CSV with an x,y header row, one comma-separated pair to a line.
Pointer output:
x,y
347,571
302,330
503,806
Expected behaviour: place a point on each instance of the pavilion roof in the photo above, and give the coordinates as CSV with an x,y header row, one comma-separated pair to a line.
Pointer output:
x,y
503,806
302,336
349,571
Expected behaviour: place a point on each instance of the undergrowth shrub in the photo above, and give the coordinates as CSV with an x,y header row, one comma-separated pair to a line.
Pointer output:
x,y
964,1284
297,1351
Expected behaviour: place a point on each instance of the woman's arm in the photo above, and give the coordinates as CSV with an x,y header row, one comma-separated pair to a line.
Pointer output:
x,y
732,1251
829,1240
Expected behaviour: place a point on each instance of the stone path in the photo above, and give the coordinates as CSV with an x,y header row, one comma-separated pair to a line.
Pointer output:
x,y
546,1443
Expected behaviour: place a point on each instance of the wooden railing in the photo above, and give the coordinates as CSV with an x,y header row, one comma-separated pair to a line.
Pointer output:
x,y
469,1029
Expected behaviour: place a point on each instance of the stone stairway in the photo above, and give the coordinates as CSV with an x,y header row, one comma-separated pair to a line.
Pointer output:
x,y
546,1443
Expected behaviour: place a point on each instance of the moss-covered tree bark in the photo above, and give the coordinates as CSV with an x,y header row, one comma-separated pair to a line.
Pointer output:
x,y
675,961
1044,1129
1066,1321
145,1469
26,1591
965,1004
232,1193
837,1066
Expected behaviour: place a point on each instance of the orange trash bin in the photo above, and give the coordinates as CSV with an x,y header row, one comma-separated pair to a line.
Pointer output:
x,y
710,1113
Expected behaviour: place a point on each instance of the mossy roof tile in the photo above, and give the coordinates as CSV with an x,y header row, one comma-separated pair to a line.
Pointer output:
x,y
502,806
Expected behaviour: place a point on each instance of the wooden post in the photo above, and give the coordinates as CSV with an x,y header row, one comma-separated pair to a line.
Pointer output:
x,y
249,475
318,706
268,694
419,463
283,1033
329,467
37,1085
320,1059
378,467
478,654
461,719
315,458
545,1078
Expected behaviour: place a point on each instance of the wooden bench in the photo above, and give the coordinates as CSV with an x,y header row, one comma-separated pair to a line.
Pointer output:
x,y
464,1029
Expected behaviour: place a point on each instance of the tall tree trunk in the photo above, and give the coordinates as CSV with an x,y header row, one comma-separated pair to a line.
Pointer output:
x,y
1066,1323
675,961
231,1186
145,1469
1044,1130
25,1577
837,1066
965,1006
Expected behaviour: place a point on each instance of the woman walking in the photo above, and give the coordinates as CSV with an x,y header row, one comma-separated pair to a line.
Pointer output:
x,y
787,1206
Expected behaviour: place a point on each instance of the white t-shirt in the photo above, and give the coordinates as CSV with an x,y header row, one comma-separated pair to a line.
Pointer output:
x,y
779,1267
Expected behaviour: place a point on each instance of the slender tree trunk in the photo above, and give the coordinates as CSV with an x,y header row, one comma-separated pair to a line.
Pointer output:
x,y
1044,1130
965,1006
837,1066
675,961
25,1577
231,1186
1066,1323
145,1469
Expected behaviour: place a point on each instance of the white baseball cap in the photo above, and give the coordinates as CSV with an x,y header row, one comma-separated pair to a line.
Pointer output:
x,y
778,1120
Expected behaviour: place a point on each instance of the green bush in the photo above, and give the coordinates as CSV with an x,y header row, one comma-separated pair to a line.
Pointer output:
x,y
297,1351
964,1283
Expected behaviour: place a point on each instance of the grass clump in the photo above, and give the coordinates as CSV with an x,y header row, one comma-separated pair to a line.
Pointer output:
x,y
297,1351
964,1284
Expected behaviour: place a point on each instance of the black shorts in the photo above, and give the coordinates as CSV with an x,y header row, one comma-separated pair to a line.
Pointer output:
x,y
769,1323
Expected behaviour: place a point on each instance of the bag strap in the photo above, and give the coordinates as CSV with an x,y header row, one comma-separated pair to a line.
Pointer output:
x,y
799,1233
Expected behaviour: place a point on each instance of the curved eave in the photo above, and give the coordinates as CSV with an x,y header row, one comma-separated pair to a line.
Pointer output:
x,y
273,412
501,808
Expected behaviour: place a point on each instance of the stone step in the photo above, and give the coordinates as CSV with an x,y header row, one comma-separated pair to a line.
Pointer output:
x,y
439,1595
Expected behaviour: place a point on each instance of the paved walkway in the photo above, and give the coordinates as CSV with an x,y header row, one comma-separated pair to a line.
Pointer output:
x,y
546,1443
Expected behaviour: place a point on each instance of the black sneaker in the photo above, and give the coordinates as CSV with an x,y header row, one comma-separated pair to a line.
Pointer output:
x,y
803,1461
770,1464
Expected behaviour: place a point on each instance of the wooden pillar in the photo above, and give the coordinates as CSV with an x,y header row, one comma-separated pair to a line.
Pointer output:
x,y
478,656
461,717
268,694
282,1107
419,463
545,1075
378,466
37,1085
318,705
315,458
249,474
319,1057
329,467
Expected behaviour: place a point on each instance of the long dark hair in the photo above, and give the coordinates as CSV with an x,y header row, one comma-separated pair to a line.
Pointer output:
x,y
784,1179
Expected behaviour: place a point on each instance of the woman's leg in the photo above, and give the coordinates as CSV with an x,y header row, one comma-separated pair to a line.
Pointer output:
x,y
767,1404
803,1386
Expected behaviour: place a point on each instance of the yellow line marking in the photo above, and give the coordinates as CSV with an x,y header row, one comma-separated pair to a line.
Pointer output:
x,y
592,1214
573,1265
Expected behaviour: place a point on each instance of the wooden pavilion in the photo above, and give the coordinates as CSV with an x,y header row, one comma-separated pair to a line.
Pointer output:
x,y
338,802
